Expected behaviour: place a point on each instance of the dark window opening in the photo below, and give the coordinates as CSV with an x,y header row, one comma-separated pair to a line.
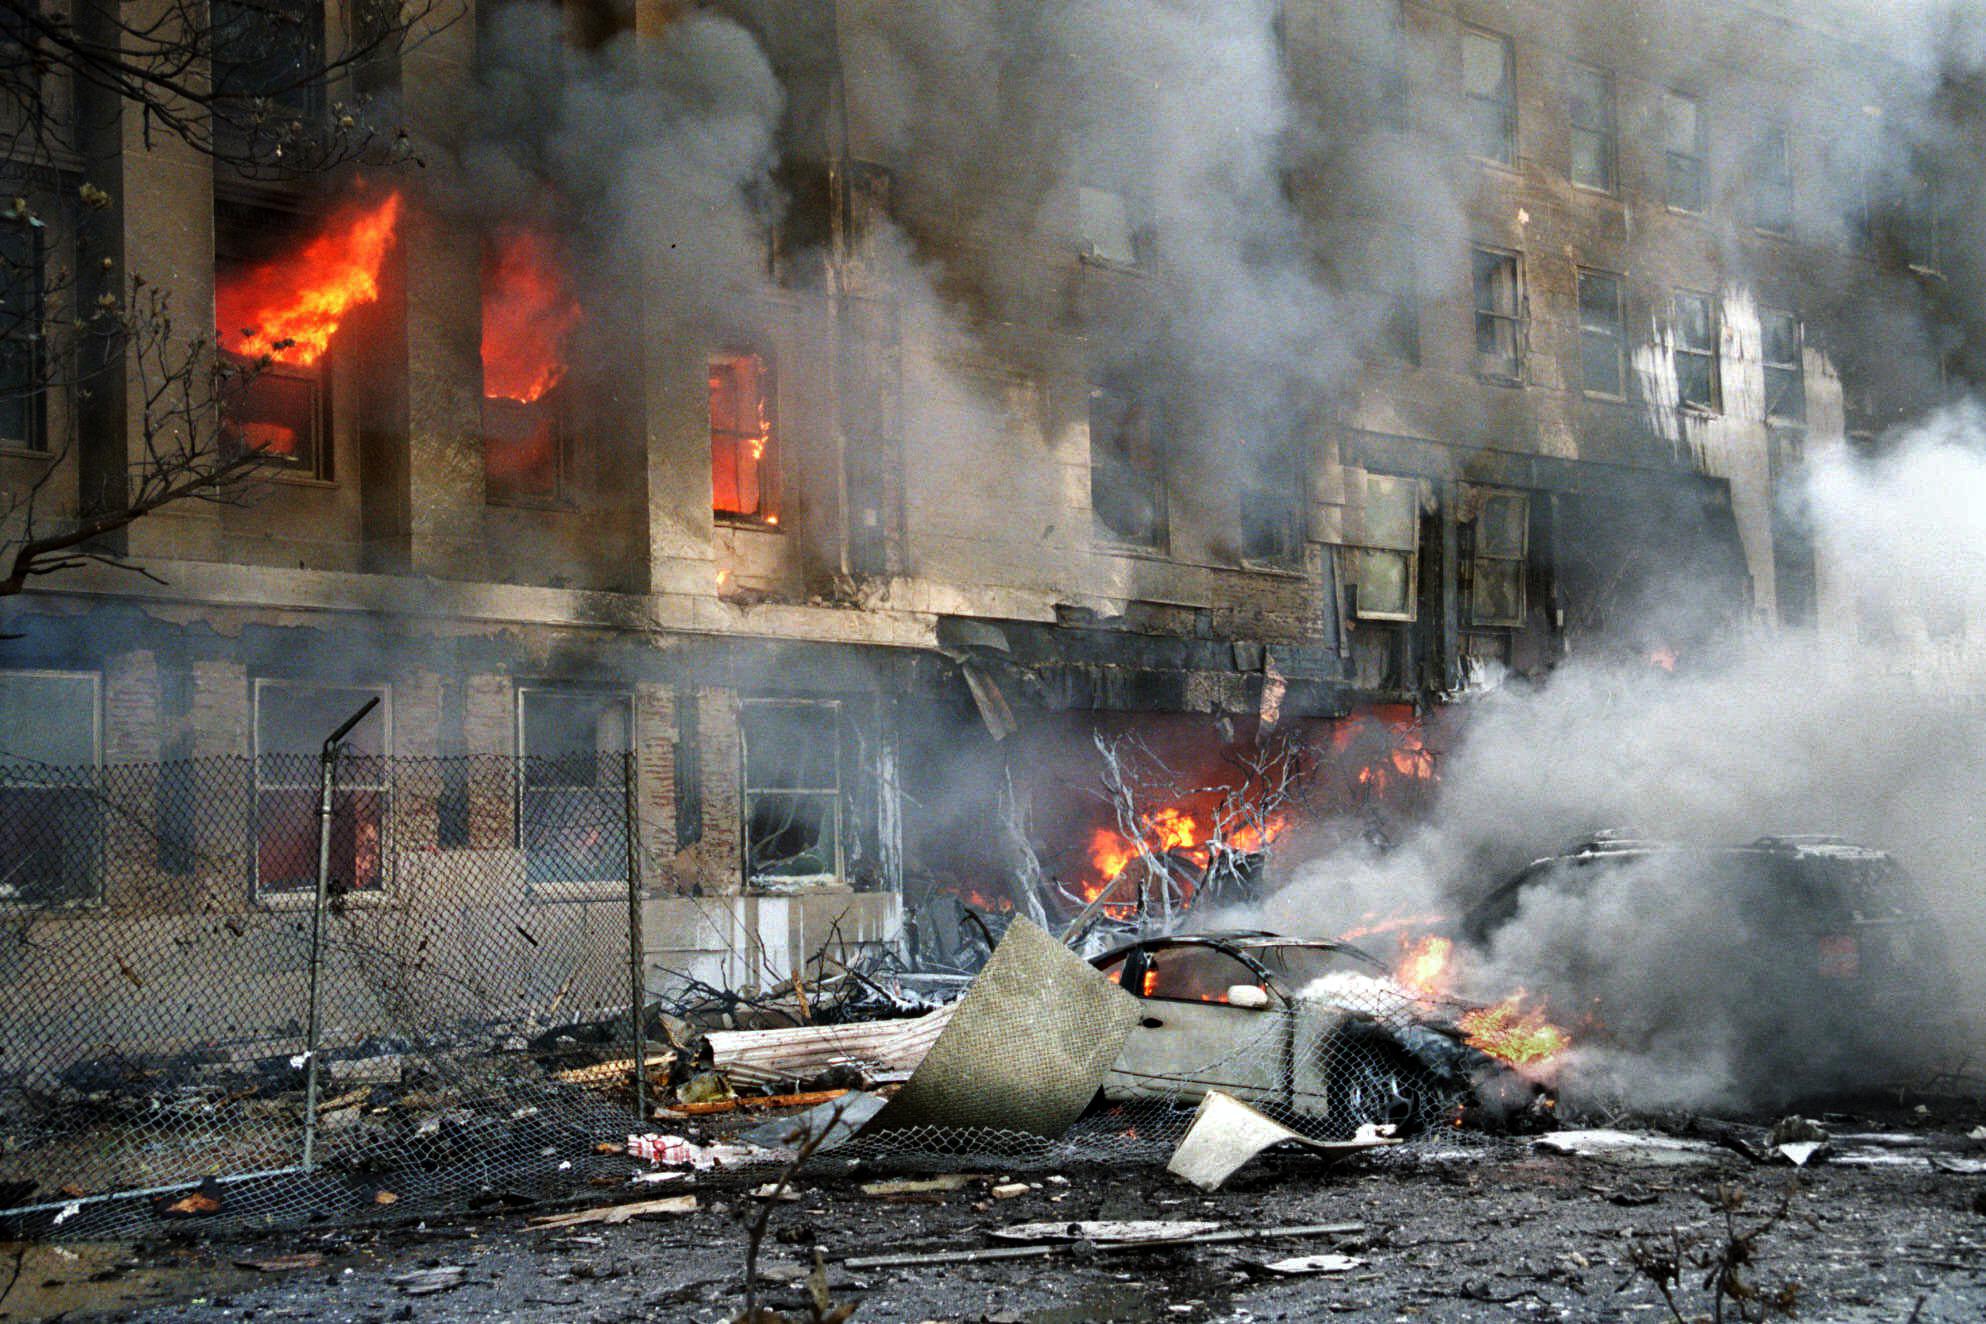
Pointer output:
x,y
1683,139
1395,279
268,72
1500,328
743,438
1489,87
292,721
1594,142
792,756
1272,508
1602,335
689,773
1772,182
1127,465
1695,352
21,317
1785,373
571,807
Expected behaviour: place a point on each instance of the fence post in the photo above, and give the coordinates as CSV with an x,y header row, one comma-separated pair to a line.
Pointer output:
x,y
637,984
327,776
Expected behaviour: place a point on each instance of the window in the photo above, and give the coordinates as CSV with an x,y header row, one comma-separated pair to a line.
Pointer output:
x,y
292,720
1919,229
1388,557
1695,353
1489,85
1602,336
268,73
280,409
792,791
1397,281
743,438
1785,372
529,312
1499,317
51,830
1772,182
571,798
1594,148
1683,148
1111,235
1496,564
1194,974
1272,502
21,314
272,399
1127,468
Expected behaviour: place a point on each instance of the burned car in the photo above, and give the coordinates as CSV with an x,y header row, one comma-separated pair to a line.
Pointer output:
x,y
1807,963
1317,1033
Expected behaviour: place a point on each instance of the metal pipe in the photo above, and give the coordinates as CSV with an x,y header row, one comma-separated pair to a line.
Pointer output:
x,y
77,1203
327,766
637,983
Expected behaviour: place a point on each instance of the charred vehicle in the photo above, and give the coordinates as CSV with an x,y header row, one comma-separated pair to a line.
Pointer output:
x,y
1317,1032
1825,965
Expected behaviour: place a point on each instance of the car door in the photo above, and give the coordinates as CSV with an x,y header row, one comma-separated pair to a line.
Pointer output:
x,y
1189,1038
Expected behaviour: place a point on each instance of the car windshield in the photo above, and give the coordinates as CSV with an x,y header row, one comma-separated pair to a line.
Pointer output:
x,y
1298,966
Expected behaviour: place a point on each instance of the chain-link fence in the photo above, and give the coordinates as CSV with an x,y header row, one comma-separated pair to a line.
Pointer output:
x,y
171,953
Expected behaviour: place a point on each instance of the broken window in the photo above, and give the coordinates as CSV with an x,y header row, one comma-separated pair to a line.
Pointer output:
x,y
1271,497
792,803
292,720
1695,352
1785,372
271,401
1496,563
529,313
1127,466
1489,85
1594,147
571,799
1499,316
51,829
743,438
1389,554
1683,141
1772,182
21,313
1602,335
1192,973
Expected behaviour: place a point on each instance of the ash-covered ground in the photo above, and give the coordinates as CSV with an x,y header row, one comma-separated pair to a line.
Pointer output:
x,y
1889,1226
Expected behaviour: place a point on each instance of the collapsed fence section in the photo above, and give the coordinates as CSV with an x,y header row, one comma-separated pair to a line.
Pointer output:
x,y
233,994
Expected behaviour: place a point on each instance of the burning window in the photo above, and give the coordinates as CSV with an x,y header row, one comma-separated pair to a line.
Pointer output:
x,y
1191,973
1489,84
571,814
529,314
292,720
1500,330
1388,559
1127,467
1602,335
281,292
1695,352
51,830
1785,371
21,313
1772,182
743,438
1594,142
1496,563
1683,139
792,791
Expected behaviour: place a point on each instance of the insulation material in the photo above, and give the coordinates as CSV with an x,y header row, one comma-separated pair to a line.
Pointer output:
x,y
1027,1048
1226,1133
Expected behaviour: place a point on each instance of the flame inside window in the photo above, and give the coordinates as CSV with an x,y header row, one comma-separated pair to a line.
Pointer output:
x,y
529,314
289,308
741,437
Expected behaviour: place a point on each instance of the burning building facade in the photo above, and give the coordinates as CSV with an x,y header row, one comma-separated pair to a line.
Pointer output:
x,y
707,396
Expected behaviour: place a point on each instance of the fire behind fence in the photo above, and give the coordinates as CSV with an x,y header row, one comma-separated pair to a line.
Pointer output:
x,y
167,956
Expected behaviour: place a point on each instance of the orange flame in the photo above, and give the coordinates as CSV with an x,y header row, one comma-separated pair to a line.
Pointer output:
x,y
1423,971
289,310
528,312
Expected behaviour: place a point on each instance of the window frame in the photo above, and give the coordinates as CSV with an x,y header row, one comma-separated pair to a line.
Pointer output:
x,y
1617,333
1712,356
1505,107
1482,496
280,897
1607,132
1772,169
523,756
234,217
1367,549
93,895
834,711
547,409
30,331
1274,473
1794,369
770,459
1698,158
1395,284
1132,394
1518,318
